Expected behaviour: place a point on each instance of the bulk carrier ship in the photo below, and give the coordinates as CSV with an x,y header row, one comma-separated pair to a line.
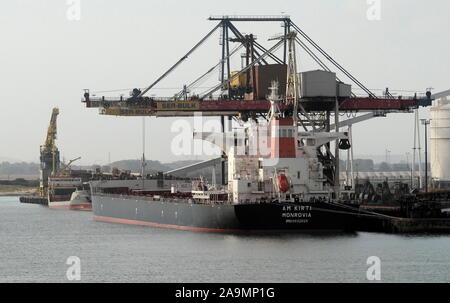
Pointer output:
x,y
291,181
275,183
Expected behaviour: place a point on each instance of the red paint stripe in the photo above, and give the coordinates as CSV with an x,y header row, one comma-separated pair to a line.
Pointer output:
x,y
59,207
285,121
81,207
203,229
171,226
72,207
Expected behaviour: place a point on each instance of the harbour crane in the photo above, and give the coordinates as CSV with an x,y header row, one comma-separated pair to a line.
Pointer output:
x,y
247,99
229,102
49,154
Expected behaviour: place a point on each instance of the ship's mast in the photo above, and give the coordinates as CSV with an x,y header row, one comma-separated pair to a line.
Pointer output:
x,y
292,83
274,98
143,163
336,151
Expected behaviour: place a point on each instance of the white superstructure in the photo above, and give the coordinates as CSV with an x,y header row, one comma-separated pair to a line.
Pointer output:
x,y
274,161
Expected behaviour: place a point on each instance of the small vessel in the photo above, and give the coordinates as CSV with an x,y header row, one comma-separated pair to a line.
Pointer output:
x,y
66,192
59,187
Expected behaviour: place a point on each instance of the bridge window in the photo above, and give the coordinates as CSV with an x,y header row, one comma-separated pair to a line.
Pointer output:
x,y
311,142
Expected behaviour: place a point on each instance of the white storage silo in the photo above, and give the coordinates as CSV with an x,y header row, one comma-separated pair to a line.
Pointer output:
x,y
440,143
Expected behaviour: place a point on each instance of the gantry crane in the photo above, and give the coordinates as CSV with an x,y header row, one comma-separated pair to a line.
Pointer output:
x,y
249,102
49,158
228,103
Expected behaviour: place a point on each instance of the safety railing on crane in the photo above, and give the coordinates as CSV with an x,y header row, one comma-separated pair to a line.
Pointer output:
x,y
250,17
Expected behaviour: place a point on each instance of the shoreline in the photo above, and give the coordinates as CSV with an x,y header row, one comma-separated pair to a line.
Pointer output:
x,y
17,193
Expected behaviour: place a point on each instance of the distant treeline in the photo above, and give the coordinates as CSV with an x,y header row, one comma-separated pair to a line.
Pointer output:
x,y
135,166
368,165
20,181
29,168
19,168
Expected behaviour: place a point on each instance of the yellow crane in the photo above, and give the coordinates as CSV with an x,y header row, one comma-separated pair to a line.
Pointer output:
x,y
49,154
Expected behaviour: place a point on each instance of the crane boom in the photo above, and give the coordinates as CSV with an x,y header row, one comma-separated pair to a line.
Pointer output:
x,y
63,170
51,132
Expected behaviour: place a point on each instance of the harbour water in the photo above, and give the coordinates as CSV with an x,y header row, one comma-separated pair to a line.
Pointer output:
x,y
35,243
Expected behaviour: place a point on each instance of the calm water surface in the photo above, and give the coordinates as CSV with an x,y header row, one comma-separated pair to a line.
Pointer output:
x,y
35,243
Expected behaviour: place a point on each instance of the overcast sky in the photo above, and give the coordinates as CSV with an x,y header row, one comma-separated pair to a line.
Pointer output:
x,y
47,60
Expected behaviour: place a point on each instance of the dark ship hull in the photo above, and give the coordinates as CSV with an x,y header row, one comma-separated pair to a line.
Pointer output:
x,y
34,200
223,217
